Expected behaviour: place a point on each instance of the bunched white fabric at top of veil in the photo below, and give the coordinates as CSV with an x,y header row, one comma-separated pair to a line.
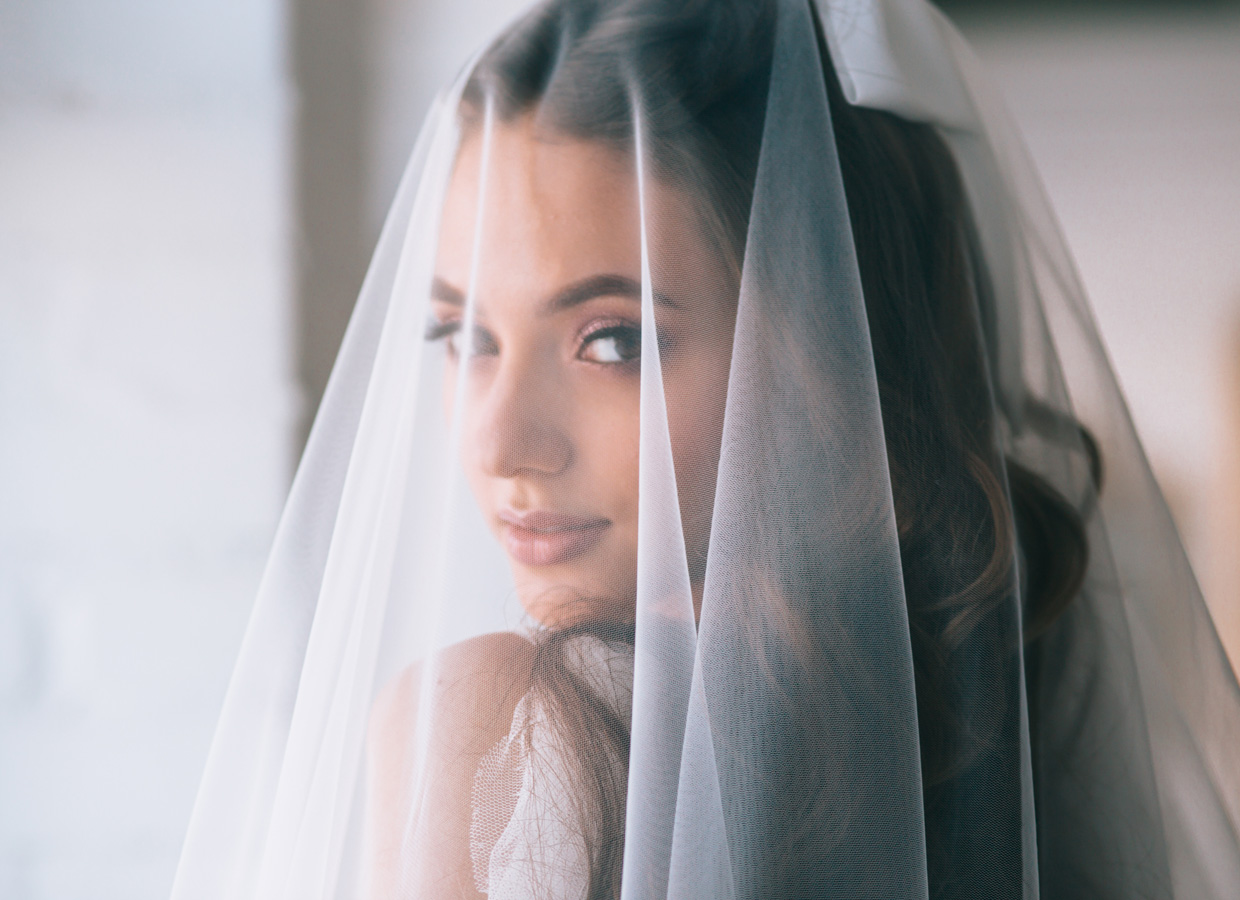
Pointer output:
x,y
723,492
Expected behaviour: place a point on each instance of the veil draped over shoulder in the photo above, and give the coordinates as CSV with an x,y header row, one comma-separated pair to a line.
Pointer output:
x,y
722,492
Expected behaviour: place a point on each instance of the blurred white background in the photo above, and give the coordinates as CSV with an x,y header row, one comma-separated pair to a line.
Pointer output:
x,y
188,194
145,414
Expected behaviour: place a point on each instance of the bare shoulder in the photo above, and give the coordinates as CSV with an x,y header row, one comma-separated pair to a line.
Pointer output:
x,y
475,686
462,701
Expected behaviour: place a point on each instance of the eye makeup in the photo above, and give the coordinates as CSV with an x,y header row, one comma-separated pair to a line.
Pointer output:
x,y
611,342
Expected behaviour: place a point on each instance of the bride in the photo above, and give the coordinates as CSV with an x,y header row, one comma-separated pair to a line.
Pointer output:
x,y
722,492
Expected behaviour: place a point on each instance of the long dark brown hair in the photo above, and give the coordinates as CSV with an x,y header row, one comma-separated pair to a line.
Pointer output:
x,y
968,516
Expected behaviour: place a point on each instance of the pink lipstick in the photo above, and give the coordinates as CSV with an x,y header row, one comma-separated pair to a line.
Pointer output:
x,y
541,538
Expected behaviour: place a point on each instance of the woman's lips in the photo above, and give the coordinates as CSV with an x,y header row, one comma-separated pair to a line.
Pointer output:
x,y
540,538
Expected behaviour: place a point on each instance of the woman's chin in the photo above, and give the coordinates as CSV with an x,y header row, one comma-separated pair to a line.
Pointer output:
x,y
562,602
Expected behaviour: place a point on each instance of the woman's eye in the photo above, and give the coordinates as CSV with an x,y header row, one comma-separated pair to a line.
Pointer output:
x,y
615,344
450,332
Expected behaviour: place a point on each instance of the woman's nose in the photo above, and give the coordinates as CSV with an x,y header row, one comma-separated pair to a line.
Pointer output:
x,y
520,431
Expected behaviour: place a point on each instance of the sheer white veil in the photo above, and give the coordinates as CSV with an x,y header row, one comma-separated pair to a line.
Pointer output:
x,y
899,610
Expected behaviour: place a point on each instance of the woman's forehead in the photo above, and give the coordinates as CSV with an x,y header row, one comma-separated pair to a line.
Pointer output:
x,y
542,203
555,209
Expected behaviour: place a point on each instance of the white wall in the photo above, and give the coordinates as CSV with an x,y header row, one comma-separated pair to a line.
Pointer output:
x,y
417,48
145,413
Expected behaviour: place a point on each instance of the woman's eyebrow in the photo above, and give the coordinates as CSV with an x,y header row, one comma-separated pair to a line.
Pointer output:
x,y
446,293
573,295
602,286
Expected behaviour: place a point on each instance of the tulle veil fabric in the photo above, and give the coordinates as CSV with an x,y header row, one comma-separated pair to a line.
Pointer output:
x,y
776,743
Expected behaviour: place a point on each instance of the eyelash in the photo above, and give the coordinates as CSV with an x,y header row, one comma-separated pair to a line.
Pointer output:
x,y
442,330
448,328
437,331
617,328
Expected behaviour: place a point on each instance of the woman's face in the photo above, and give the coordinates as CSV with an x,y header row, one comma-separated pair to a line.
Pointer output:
x,y
550,427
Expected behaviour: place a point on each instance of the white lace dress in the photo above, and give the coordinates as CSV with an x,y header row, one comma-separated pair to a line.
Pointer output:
x,y
526,835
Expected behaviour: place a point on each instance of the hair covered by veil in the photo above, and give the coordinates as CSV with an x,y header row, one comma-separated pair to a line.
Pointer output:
x,y
709,502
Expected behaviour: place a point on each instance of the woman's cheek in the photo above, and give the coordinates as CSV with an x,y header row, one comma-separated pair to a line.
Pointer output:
x,y
607,442
696,400
616,433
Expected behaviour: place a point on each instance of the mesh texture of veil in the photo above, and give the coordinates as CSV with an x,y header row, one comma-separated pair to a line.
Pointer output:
x,y
722,492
